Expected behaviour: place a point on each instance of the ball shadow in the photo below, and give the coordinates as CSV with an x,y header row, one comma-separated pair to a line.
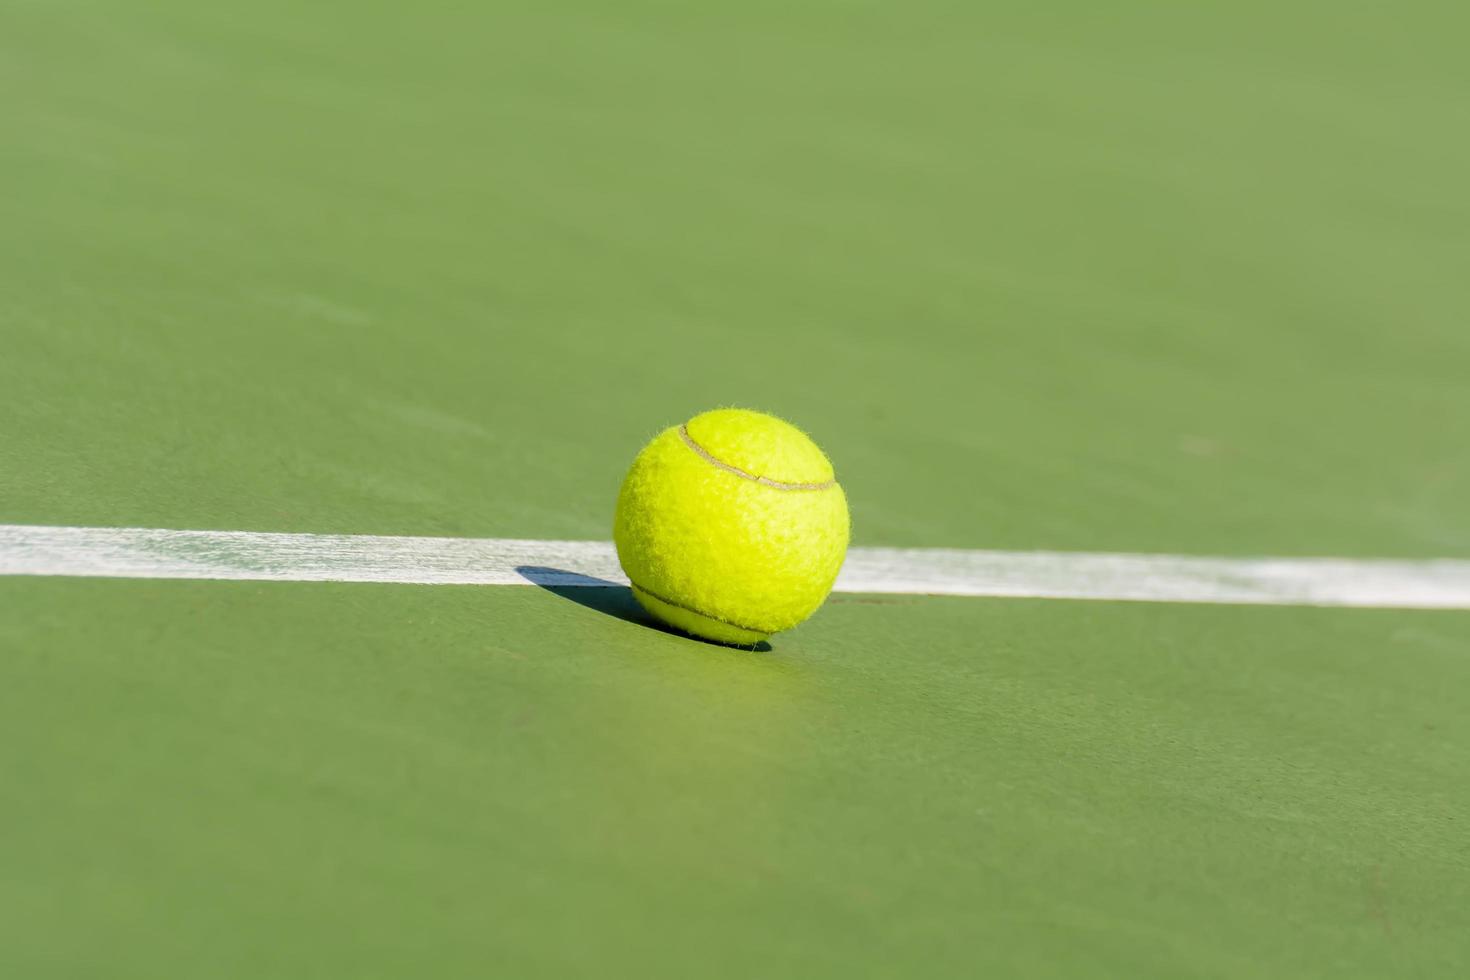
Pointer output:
x,y
610,599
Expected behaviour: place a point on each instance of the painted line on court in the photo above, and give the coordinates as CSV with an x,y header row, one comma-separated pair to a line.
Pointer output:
x,y
248,555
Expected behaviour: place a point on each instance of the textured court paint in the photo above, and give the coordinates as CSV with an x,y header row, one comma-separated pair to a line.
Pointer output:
x,y
243,555
241,780
264,276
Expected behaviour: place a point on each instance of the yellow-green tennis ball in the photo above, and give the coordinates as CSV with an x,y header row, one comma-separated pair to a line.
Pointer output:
x,y
731,526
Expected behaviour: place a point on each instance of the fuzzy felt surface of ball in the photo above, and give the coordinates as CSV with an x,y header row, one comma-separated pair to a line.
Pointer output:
x,y
731,526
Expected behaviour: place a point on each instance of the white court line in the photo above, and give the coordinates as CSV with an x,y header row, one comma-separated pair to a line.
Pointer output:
x,y
248,555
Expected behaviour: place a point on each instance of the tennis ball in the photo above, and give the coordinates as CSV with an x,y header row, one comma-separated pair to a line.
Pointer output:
x,y
731,526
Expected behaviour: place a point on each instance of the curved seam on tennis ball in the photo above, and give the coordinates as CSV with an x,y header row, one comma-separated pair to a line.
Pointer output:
x,y
700,612
762,480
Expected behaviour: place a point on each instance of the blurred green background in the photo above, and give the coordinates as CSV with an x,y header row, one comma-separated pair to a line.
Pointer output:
x,y
1134,278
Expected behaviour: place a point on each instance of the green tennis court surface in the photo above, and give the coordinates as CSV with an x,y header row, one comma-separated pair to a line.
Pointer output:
x,y
1178,279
